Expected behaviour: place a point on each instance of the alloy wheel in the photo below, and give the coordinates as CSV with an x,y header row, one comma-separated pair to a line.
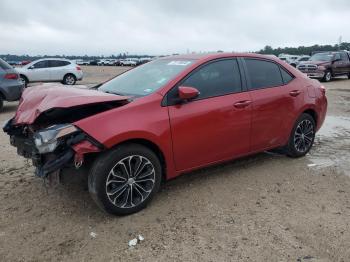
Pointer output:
x,y
130,181
303,136
70,80
328,76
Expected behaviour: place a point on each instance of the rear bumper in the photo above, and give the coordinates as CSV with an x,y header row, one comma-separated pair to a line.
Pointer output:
x,y
79,75
12,90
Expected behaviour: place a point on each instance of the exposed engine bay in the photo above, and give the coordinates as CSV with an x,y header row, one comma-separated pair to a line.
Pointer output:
x,y
47,135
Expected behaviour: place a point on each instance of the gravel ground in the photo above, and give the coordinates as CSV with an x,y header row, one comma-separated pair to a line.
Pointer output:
x,y
266,207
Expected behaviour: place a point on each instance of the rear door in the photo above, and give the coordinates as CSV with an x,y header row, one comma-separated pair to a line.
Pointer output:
x,y
268,108
39,71
216,125
57,69
345,63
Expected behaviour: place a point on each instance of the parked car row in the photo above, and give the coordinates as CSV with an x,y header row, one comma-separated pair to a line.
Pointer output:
x,y
293,60
114,62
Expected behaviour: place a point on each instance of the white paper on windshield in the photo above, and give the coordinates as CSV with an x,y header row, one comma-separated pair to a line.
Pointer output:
x,y
179,63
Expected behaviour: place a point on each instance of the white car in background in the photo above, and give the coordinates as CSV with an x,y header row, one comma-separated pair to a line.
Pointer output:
x,y
110,62
51,70
127,62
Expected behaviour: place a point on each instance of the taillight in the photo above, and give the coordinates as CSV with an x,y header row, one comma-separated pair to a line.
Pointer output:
x,y
323,89
78,68
11,76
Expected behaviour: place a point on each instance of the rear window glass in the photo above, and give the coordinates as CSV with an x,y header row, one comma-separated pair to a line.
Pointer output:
x,y
4,65
58,63
286,76
263,74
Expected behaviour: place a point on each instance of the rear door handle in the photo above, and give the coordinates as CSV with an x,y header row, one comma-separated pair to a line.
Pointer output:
x,y
242,104
295,93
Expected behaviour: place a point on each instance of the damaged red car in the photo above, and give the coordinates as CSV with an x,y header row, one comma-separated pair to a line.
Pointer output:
x,y
165,118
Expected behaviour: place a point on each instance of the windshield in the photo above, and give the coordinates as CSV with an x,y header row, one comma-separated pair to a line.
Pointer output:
x,y
146,79
321,57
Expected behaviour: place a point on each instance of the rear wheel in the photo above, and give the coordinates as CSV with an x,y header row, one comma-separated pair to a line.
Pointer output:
x,y
24,80
327,76
124,180
302,136
348,75
69,79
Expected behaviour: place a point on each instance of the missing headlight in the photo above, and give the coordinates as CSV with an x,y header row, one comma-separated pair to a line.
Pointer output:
x,y
46,140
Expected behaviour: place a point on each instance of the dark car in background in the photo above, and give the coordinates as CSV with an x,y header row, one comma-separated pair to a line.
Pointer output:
x,y
326,65
10,85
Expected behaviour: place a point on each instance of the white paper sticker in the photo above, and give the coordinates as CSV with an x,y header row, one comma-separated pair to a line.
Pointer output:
x,y
179,63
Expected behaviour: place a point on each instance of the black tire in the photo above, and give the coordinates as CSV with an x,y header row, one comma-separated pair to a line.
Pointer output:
x,y
302,136
111,186
1,102
24,80
348,75
327,76
69,79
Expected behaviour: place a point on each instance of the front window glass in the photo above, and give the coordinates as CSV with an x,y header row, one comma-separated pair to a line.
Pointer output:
x,y
147,78
321,57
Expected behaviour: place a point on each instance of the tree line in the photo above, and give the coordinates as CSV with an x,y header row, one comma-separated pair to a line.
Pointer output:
x,y
303,50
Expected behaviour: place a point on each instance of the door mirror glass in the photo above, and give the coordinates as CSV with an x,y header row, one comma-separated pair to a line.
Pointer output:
x,y
188,93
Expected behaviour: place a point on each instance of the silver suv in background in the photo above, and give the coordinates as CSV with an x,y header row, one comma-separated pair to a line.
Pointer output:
x,y
51,70
302,58
10,85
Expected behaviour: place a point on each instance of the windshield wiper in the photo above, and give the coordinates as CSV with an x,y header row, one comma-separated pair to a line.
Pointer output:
x,y
114,93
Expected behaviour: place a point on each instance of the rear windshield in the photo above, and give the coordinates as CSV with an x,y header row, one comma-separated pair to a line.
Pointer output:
x,y
4,65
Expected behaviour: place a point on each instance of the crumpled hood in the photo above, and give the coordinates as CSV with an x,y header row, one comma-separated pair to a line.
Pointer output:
x,y
38,99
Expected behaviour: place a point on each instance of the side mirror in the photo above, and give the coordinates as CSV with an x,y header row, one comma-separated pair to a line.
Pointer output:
x,y
31,67
188,93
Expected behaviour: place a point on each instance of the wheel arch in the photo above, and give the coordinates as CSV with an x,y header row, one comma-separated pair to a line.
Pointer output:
x,y
26,77
70,73
2,95
312,113
153,147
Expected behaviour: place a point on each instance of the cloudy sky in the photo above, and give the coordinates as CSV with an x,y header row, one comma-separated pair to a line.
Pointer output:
x,y
167,26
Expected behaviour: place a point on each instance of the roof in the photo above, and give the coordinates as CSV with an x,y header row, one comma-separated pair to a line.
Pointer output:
x,y
211,56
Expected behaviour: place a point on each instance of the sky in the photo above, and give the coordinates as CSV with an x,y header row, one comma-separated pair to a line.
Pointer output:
x,y
160,27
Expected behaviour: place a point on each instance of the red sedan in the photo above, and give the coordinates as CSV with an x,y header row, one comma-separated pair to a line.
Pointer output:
x,y
164,118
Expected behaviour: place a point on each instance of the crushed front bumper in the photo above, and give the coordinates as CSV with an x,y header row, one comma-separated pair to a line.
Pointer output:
x,y
70,150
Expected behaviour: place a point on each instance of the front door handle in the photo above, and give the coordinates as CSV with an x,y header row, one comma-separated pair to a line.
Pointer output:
x,y
242,104
295,93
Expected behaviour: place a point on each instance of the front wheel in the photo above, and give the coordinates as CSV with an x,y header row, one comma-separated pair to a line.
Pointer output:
x,y
69,79
327,76
302,136
123,181
23,80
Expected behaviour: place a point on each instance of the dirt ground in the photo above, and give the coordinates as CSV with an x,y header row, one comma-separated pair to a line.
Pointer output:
x,y
267,207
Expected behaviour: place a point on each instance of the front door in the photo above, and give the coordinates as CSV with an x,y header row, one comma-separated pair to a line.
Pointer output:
x,y
39,71
216,125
